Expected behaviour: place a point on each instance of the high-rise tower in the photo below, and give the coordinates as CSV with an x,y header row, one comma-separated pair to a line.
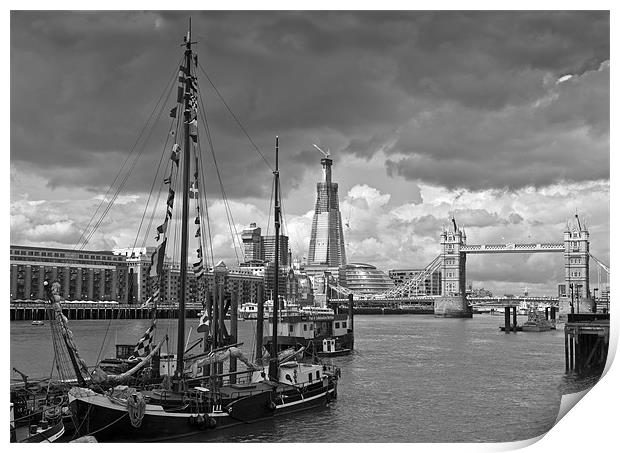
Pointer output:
x,y
326,238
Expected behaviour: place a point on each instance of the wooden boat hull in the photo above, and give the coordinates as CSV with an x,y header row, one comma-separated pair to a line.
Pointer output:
x,y
96,415
527,328
337,353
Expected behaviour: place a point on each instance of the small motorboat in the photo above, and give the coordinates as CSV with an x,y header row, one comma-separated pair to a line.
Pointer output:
x,y
38,323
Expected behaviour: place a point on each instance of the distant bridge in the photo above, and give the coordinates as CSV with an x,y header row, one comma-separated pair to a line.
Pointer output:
x,y
452,264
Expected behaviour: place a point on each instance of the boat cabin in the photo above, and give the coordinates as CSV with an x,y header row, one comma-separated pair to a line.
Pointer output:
x,y
296,373
167,364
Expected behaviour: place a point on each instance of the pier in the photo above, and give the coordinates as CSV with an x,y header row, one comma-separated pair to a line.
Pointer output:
x,y
586,341
80,311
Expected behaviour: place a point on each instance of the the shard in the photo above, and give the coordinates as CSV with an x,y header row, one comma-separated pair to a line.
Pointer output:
x,y
326,238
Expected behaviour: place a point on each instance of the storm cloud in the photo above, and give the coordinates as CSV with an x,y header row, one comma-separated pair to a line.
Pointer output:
x,y
500,118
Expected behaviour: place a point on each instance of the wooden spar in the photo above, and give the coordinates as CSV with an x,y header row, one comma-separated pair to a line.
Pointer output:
x,y
140,365
260,322
273,362
185,201
204,354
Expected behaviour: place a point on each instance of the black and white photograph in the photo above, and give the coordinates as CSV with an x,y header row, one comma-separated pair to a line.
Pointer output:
x,y
307,226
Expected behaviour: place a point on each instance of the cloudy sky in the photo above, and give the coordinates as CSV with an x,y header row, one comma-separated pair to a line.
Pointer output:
x,y
501,118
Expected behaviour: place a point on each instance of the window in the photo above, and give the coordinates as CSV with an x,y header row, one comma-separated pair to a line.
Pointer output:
x,y
290,327
311,326
344,324
337,325
309,377
305,327
318,375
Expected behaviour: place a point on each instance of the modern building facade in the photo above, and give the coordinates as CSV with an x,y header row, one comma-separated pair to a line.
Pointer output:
x,y
252,243
269,249
263,248
430,287
364,279
326,237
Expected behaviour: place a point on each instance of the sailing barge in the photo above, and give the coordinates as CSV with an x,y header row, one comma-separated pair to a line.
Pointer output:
x,y
200,396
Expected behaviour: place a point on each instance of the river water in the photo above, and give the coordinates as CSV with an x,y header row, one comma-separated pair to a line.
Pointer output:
x,y
412,378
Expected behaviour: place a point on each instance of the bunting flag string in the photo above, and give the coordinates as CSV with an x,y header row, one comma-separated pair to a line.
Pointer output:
x,y
198,270
161,229
167,180
193,130
193,190
157,259
176,153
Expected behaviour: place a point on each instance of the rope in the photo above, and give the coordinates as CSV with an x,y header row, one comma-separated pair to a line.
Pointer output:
x,y
161,158
235,118
136,406
120,171
229,216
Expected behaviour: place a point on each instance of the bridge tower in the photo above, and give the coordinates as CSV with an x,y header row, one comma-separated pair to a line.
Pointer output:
x,y
453,302
453,261
577,268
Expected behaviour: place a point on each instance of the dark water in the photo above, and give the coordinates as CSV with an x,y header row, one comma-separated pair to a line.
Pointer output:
x,y
412,378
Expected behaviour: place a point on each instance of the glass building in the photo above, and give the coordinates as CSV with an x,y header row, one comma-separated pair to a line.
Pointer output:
x,y
364,279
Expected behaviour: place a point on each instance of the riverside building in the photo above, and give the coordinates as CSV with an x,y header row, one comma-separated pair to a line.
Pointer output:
x,y
121,276
83,274
364,279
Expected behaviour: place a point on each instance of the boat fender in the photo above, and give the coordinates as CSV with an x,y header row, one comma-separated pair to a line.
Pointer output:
x,y
201,421
192,420
271,406
211,422
328,398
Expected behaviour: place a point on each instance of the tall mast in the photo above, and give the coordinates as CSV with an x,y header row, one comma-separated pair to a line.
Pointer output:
x,y
273,363
185,199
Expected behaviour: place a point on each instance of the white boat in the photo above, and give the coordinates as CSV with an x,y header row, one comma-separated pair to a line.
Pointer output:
x,y
248,310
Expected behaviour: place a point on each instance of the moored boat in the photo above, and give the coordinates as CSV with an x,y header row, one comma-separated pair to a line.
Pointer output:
x,y
45,426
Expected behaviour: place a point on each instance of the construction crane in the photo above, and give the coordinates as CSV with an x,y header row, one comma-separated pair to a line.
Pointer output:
x,y
326,154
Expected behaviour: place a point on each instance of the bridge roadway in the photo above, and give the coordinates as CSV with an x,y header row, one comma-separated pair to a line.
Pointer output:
x,y
512,248
429,301
25,311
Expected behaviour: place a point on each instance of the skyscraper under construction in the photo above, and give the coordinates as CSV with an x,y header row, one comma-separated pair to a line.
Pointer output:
x,y
326,237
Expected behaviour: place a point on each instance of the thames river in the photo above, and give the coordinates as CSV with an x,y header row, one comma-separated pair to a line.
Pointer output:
x,y
412,378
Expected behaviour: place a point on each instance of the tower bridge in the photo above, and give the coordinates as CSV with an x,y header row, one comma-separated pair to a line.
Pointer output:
x,y
452,263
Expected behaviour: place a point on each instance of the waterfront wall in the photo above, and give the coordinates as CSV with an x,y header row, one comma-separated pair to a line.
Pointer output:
x,y
39,312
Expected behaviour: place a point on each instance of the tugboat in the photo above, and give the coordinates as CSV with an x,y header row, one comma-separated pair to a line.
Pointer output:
x,y
319,330
536,322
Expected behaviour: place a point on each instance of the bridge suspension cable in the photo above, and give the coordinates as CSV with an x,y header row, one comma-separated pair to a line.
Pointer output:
x,y
411,287
600,263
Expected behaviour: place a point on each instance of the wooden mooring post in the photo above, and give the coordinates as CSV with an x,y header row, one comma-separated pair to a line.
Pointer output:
x,y
507,319
586,341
